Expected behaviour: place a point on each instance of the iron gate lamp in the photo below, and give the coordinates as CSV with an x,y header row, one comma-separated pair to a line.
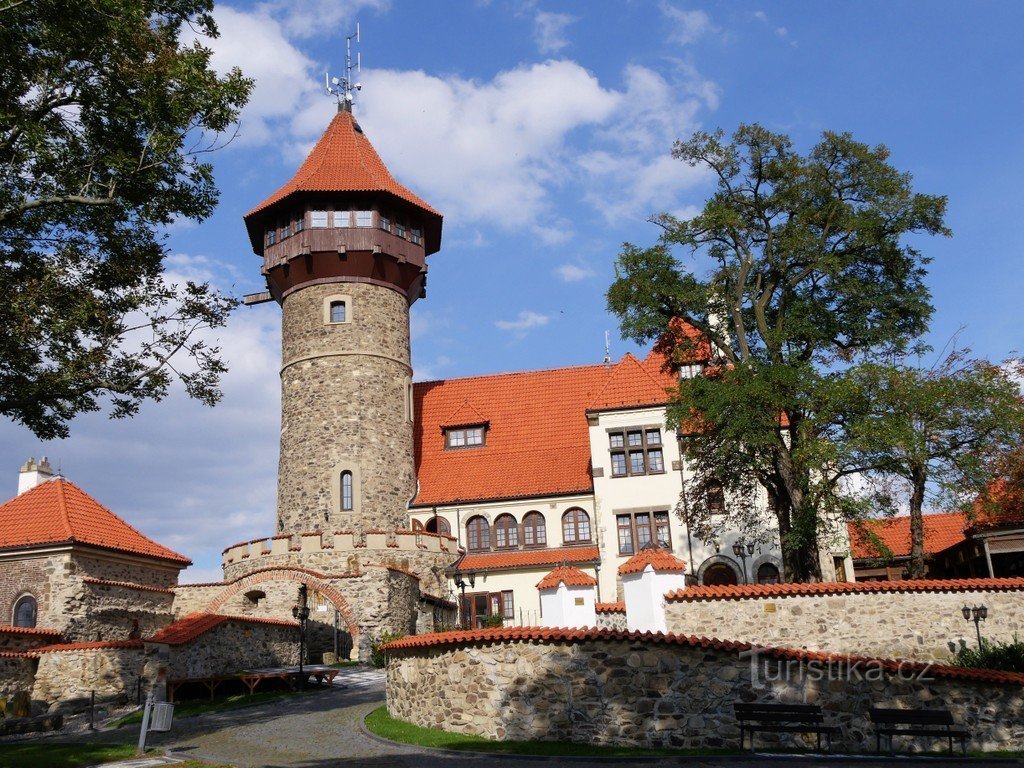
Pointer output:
x,y
977,614
743,551
301,612
460,583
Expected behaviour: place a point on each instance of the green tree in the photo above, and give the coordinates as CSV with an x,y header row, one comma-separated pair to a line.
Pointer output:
x,y
105,119
944,430
800,263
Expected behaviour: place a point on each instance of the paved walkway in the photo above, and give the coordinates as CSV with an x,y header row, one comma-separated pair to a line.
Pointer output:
x,y
322,731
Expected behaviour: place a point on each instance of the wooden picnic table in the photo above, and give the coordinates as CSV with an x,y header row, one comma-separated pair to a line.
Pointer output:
x,y
252,679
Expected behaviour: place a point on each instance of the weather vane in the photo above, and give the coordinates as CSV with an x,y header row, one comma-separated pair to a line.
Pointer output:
x,y
344,89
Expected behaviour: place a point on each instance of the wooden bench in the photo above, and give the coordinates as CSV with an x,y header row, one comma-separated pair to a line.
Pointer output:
x,y
252,680
782,718
937,723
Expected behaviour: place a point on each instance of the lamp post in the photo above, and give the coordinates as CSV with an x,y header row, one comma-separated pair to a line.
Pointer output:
x,y
743,551
977,614
301,612
460,583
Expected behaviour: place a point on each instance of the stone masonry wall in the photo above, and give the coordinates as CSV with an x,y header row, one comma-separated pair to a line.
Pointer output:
x,y
611,620
926,626
235,646
115,568
652,693
114,612
73,674
17,674
344,405
41,576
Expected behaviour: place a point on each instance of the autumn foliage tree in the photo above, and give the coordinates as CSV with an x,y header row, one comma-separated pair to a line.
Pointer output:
x,y
796,266
105,119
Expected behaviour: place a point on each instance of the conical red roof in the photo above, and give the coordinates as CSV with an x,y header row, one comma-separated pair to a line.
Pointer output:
x,y
58,512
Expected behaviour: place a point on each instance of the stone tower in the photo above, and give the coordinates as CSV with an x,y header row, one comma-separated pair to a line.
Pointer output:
x,y
344,250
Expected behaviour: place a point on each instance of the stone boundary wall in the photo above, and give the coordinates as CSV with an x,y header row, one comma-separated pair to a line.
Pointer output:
x,y
890,619
231,647
17,639
617,688
17,673
609,617
193,598
74,673
114,610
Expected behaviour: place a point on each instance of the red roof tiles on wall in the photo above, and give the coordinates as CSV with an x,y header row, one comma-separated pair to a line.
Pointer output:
x,y
610,607
941,531
6,630
768,591
490,561
656,557
189,627
568,575
562,635
58,512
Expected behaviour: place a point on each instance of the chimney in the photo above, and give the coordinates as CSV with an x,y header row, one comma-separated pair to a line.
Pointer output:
x,y
33,473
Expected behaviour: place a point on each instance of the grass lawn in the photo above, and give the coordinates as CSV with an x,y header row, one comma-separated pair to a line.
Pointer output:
x,y
382,724
37,754
192,707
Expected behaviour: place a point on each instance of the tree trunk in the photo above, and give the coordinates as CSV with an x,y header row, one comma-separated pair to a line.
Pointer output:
x,y
799,548
917,564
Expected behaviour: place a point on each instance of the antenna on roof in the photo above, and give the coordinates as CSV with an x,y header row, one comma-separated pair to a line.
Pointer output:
x,y
344,89
607,349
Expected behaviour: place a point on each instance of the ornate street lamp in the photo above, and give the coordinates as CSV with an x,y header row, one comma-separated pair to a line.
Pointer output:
x,y
977,614
743,551
460,583
301,612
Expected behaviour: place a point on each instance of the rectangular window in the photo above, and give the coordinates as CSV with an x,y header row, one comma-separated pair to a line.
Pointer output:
x,y
300,224
337,311
364,218
344,218
400,229
508,609
465,437
385,223
637,529
286,230
416,235
318,219
271,236
644,452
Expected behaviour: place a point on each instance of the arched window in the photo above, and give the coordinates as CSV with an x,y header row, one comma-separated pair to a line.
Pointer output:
x,y
417,525
25,611
346,491
575,526
338,311
506,532
478,534
534,531
719,575
438,525
768,574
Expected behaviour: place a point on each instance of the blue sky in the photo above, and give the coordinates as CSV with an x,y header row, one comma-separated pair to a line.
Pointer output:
x,y
542,131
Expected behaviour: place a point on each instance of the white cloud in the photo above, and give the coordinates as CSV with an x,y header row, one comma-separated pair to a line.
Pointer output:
x,y
549,31
687,26
573,273
526,320
779,31
327,18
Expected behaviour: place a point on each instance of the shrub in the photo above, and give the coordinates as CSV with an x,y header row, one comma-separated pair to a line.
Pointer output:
x,y
495,620
1007,657
377,657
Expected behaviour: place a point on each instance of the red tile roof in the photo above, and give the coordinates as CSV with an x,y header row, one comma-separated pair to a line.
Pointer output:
x,y
538,439
494,561
58,512
1000,506
692,594
610,607
568,575
189,627
343,160
941,531
5,630
126,585
412,643
97,646
656,557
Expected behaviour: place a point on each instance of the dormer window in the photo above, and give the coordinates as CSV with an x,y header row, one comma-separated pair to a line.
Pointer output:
x,y
385,223
318,219
364,218
464,437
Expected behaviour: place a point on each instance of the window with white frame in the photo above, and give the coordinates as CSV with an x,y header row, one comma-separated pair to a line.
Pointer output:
x,y
364,218
318,219
464,437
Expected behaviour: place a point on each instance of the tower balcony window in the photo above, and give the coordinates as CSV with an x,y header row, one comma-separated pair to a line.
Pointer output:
x,y
416,235
300,223
385,223
364,218
271,236
286,230
318,219
343,218
400,229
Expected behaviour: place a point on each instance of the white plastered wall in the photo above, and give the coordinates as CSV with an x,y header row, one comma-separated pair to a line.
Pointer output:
x,y
565,606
